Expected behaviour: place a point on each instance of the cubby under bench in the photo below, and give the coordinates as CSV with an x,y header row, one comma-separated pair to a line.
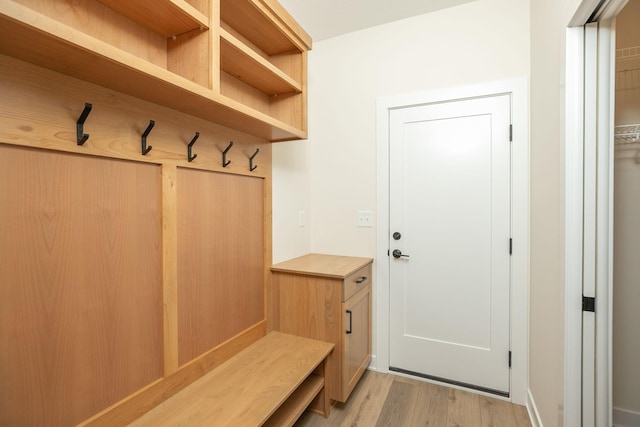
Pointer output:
x,y
270,383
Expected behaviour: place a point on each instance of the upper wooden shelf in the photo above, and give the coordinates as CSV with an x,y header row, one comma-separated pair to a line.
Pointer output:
x,y
254,20
243,63
39,39
165,17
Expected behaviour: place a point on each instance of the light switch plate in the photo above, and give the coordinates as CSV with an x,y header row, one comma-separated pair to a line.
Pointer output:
x,y
365,219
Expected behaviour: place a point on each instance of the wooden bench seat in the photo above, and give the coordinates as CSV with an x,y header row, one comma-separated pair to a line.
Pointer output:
x,y
269,383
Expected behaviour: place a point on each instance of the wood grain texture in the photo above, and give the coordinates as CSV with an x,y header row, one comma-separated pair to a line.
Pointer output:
x,y
390,400
357,281
166,17
40,109
308,301
312,307
401,398
431,405
363,407
42,40
136,405
188,55
496,412
335,266
357,344
220,258
522,416
169,269
254,19
80,301
463,408
247,389
103,23
245,64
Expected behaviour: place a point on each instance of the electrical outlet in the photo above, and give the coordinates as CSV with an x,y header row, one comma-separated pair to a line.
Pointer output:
x,y
365,219
301,219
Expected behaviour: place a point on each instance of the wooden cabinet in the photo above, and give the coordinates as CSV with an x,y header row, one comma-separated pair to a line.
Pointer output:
x,y
238,63
328,298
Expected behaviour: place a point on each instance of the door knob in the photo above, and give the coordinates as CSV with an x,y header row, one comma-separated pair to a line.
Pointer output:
x,y
397,253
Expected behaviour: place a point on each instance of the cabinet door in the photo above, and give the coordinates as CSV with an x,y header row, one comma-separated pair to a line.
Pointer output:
x,y
357,339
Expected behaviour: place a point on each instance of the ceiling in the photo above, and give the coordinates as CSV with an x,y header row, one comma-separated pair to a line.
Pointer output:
x,y
324,19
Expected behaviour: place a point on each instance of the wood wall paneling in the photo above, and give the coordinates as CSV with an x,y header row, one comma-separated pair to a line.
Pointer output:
x,y
220,258
80,268
169,268
39,111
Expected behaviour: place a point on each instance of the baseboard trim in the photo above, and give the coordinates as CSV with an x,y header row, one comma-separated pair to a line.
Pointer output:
x,y
625,418
373,364
534,415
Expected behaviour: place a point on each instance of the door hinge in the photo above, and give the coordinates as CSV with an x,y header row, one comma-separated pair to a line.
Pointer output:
x,y
509,358
510,133
510,246
588,304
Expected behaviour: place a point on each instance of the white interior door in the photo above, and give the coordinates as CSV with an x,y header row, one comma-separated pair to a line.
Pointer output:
x,y
450,225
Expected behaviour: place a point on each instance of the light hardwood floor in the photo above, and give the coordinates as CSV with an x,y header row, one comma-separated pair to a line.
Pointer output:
x,y
384,400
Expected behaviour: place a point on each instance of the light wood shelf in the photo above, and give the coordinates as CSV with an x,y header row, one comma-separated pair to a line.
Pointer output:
x,y
183,80
165,17
245,64
296,404
271,382
254,19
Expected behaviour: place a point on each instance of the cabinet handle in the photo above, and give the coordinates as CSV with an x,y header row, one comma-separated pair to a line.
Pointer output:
x,y
350,321
361,279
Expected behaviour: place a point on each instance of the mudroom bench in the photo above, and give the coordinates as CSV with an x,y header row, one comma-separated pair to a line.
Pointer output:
x,y
270,383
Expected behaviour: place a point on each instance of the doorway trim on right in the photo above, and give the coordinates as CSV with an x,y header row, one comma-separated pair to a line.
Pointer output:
x,y
587,398
519,316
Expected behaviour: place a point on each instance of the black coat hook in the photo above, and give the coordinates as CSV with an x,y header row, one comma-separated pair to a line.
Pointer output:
x,y
193,141
251,165
82,137
226,162
146,149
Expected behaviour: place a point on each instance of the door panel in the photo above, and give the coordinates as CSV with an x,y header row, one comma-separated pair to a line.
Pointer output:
x,y
450,200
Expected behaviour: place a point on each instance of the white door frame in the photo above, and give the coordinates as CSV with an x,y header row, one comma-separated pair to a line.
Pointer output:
x,y
589,214
518,88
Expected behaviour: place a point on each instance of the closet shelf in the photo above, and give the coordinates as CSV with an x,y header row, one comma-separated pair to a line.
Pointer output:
x,y
165,17
627,134
627,59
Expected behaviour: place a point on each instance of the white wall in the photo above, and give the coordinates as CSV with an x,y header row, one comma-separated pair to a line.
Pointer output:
x,y
482,41
291,187
485,40
549,21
